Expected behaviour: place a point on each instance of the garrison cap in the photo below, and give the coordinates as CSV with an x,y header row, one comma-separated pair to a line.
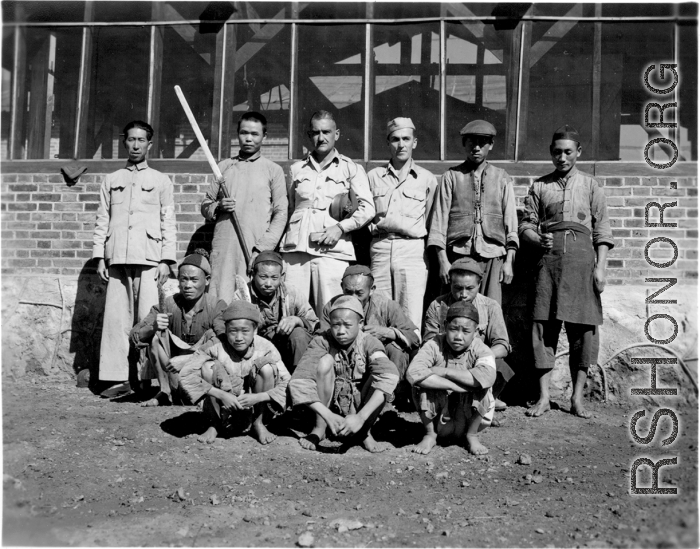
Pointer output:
x,y
399,123
198,260
357,270
467,264
566,132
268,255
462,309
479,127
348,302
242,310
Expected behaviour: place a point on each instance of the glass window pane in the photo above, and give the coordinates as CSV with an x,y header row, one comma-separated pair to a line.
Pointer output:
x,y
407,83
262,83
51,91
119,88
398,10
331,77
8,41
40,12
688,92
477,82
333,10
189,59
628,49
560,90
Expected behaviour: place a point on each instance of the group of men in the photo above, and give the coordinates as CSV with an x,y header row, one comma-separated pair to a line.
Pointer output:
x,y
280,315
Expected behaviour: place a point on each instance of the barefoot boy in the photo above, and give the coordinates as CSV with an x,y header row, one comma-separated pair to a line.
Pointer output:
x,y
345,377
184,322
242,377
452,375
566,217
287,320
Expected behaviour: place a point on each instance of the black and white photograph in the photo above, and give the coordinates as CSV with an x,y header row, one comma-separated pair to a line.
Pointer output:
x,y
349,274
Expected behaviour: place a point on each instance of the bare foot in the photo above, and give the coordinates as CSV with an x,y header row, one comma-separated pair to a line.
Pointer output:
x,y
372,445
161,399
311,441
579,411
150,403
209,435
475,447
540,407
262,435
500,405
425,445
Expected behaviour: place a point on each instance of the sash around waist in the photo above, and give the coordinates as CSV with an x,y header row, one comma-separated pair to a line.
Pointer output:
x,y
555,226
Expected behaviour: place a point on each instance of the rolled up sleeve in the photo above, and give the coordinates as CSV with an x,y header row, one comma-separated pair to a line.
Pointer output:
x,y
510,215
602,233
531,218
426,358
437,235
365,203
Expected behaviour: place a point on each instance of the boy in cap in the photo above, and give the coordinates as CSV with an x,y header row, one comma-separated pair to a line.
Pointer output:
x,y
465,280
566,217
452,375
241,378
134,243
316,247
403,195
257,194
185,321
383,317
345,378
286,319
475,214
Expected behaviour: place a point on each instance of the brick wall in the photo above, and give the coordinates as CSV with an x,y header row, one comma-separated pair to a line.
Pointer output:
x,y
47,226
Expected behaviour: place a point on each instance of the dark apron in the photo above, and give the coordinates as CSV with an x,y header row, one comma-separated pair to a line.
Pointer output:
x,y
564,284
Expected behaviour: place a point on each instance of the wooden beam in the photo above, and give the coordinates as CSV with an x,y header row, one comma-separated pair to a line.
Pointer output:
x,y
555,33
188,32
155,78
293,83
224,78
19,94
512,62
524,86
84,84
228,127
443,91
368,88
484,34
41,97
596,83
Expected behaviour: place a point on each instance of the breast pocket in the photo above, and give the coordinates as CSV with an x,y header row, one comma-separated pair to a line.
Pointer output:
x,y
149,194
304,189
331,188
117,193
381,196
413,202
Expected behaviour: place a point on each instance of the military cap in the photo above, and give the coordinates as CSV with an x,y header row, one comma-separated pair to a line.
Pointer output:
x,y
348,302
268,255
467,264
566,132
242,310
357,270
462,309
199,259
399,123
479,127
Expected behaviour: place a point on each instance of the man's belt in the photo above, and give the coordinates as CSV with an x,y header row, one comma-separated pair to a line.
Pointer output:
x,y
554,226
395,236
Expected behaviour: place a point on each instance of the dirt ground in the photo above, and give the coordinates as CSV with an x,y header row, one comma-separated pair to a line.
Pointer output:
x,y
81,470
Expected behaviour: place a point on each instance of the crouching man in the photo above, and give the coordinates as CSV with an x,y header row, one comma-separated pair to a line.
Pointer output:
x,y
241,378
288,321
345,378
452,376
184,322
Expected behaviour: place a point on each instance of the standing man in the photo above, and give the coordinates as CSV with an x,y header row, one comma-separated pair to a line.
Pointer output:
x,y
134,243
316,247
566,217
403,195
257,194
475,213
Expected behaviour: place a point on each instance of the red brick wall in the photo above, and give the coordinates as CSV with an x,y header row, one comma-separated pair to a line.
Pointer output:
x,y
47,226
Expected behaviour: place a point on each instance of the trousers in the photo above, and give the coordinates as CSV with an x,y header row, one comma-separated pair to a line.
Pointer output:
x,y
584,341
316,278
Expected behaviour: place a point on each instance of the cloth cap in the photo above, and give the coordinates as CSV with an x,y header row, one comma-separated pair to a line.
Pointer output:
x,y
566,132
467,264
72,172
198,260
268,255
462,309
348,302
399,123
242,310
478,127
357,270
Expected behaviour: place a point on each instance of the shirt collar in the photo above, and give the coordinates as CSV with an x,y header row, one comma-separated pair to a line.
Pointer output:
x,y
391,170
572,172
252,158
334,156
254,292
198,307
140,166
472,168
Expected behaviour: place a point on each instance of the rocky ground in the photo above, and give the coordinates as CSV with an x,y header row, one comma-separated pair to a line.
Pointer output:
x,y
81,470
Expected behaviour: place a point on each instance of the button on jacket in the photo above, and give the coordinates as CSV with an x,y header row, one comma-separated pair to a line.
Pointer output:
x,y
311,190
136,217
402,207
